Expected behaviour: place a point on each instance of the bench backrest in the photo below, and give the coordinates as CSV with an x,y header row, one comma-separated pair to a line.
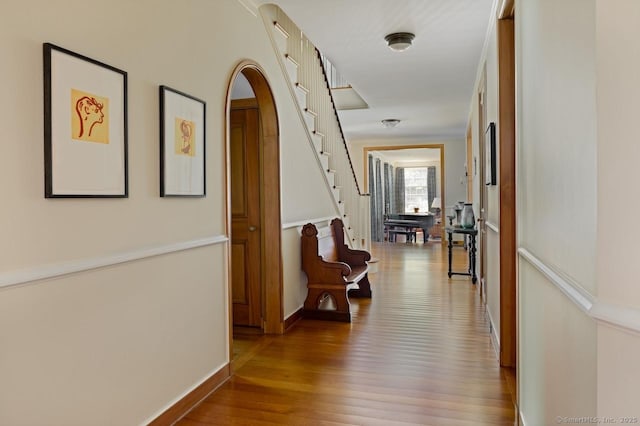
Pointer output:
x,y
318,242
327,248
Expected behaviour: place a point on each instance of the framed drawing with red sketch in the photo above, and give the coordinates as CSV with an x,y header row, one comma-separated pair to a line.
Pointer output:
x,y
182,144
85,126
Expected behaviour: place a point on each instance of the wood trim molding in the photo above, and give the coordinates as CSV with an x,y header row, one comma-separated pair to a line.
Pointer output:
x,y
506,9
507,172
244,103
440,146
293,319
183,405
270,191
43,272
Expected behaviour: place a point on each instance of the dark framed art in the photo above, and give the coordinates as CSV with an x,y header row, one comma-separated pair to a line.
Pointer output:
x,y
182,144
85,126
490,154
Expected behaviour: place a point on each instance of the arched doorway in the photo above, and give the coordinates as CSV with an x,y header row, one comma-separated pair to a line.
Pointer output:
x,y
262,246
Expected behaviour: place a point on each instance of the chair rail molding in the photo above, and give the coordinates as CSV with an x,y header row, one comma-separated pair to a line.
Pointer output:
x,y
622,317
301,223
43,272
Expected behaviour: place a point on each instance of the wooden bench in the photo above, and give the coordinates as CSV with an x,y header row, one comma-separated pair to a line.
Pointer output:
x,y
334,272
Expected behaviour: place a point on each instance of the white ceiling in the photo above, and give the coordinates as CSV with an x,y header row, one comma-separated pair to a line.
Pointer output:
x,y
429,86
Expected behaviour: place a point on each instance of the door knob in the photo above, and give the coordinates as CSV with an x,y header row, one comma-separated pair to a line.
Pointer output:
x,y
252,228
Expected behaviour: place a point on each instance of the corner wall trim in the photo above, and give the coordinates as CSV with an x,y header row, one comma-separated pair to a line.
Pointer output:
x,y
493,227
43,272
251,7
493,332
605,313
617,316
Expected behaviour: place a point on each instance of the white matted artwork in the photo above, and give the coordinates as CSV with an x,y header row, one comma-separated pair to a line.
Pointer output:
x,y
85,126
182,144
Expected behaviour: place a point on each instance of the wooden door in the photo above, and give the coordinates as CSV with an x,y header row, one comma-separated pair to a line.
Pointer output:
x,y
246,253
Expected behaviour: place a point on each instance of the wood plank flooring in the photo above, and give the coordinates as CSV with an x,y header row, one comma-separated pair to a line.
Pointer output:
x,y
417,353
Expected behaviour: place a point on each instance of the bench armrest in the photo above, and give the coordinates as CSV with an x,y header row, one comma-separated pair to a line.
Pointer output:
x,y
327,271
354,257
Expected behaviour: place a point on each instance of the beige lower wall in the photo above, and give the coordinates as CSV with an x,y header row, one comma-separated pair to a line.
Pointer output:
x,y
557,353
618,65
165,338
295,280
618,375
492,282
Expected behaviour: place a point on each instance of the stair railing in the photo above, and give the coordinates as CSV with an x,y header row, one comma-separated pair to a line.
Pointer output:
x,y
303,64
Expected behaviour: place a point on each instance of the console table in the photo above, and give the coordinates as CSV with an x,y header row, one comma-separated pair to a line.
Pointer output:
x,y
468,232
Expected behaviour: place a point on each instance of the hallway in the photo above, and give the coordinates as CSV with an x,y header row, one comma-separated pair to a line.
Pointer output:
x,y
418,352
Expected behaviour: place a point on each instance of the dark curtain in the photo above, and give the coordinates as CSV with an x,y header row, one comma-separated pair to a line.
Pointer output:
x,y
372,198
378,219
387,189
392,190
431,184
399,190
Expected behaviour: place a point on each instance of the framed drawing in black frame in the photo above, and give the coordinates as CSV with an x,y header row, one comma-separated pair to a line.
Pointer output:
x,y
85,126
182,144
490,154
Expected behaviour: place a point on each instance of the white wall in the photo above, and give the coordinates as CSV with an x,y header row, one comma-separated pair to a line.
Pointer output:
x,y
618,91
491,278
118,344
557,205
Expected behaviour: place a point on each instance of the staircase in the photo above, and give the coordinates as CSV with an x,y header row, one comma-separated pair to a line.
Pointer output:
x,y
302,65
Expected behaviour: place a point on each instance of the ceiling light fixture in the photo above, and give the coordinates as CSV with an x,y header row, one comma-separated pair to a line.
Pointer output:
x,y
399,41
390,122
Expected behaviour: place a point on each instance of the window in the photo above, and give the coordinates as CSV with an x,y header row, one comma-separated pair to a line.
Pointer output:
x,y
416,193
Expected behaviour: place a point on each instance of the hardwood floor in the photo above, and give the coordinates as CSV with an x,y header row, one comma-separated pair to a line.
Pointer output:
x,y
417,353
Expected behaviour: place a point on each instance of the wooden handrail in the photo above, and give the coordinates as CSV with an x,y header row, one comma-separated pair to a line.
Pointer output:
x,y
335,111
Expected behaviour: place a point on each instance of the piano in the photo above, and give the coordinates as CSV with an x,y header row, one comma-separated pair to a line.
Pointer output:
x,y
423,221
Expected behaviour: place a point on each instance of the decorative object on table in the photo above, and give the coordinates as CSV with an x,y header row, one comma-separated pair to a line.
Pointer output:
x,y
416,209
85,126
490,154
436,205
468,218
182,144
457,208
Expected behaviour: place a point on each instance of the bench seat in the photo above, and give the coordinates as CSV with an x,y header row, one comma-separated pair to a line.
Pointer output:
x,y
334,272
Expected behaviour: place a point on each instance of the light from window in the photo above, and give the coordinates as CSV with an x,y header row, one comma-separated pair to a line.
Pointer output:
x,y
416,192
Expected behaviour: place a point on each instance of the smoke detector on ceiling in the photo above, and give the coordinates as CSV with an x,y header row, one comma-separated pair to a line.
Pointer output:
x,y
390,122
399,41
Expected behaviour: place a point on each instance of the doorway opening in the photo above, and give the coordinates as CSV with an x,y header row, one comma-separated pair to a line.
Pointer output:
x,y
399,193
253,204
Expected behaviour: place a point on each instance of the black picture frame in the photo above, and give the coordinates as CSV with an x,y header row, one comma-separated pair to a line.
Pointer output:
x,y
490,155
85,127
182,144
